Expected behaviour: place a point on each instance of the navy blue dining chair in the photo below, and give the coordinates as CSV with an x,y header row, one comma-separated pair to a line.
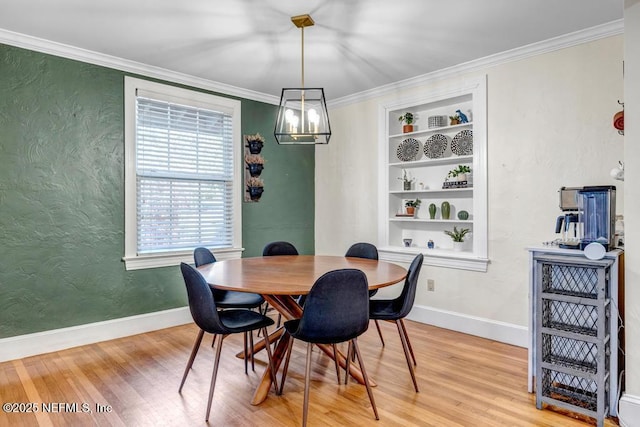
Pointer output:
x,y
367,251
229,299
397,309
277,249
336,310
209,319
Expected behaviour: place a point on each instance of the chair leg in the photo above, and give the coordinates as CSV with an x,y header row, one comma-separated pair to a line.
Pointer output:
x,y
335,359
347,364
267,346
407,356
192,357
307,375
246,361
379,331
286,364
253,362
213,378
262,310
366,378
406,335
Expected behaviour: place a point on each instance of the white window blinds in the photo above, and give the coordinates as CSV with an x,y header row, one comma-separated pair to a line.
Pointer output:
x,y
184,176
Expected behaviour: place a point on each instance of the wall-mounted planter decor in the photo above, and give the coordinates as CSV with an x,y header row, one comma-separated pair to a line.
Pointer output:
x,y
254,166
255,188
254,143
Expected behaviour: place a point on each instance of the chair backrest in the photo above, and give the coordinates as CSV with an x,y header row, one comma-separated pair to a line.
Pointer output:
x,y
362,250
404,302
201,303
203,256
336,308
279,248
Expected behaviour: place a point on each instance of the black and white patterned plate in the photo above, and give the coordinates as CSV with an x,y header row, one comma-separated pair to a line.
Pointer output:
x,y
435,146
408,150
462,143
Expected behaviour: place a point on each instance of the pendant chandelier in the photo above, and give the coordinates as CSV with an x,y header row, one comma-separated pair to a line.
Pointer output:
x,y
302,116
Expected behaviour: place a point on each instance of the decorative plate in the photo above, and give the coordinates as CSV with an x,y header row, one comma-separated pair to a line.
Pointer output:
x,y
462,143
408,149
435,146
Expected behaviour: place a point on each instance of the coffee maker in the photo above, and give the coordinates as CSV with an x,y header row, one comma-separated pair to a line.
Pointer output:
x,y
597,212
568,224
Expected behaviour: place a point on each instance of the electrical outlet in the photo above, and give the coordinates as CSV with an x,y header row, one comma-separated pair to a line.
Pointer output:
x,y
431,285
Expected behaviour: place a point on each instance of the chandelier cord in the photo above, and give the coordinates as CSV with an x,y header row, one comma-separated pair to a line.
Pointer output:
x,y
302,56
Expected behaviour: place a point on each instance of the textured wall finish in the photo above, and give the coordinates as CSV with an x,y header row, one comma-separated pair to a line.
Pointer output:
x,y
61,198
286,209
549,125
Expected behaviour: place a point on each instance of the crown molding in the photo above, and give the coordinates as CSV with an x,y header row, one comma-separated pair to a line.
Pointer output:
x,y
609,29
561,42
91,57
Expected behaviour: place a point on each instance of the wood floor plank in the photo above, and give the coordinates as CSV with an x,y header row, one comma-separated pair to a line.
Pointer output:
x,y
464,381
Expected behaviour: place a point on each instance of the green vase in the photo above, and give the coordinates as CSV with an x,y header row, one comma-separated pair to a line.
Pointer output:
x,y
463,215
445,209
432,211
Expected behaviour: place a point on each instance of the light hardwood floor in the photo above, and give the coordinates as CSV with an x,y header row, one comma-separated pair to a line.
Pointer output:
x,y
464,381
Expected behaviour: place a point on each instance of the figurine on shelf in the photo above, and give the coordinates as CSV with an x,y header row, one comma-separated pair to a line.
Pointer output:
x,y
462,117
407,181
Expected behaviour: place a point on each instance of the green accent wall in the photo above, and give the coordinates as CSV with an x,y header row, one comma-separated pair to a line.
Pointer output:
x,y
62,197
286,209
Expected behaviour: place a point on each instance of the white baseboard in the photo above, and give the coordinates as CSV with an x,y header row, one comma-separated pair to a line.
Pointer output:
x,y
485,328
60,339
629,411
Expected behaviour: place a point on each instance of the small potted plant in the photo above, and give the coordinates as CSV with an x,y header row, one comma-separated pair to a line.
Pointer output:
x,y
459,173
457,236
406,181
454,120
255,187
412,205
407,119
255,164
254,142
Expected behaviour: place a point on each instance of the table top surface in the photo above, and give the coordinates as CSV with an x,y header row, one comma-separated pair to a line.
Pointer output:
x,y
293,274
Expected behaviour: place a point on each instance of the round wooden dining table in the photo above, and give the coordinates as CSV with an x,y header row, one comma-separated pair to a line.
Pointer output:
x,y
279,278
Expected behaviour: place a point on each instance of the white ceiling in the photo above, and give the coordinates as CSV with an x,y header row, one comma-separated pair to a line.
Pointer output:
x,y
355,45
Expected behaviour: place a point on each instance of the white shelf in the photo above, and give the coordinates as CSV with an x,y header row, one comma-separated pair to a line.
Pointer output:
x,y
471,99
462,260
431,162
439,221
432,130
442,190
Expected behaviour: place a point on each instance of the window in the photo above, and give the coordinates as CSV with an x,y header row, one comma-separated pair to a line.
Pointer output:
x,y
181,174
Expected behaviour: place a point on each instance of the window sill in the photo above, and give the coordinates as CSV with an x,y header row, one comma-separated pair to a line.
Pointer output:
x,y
436,258
141,262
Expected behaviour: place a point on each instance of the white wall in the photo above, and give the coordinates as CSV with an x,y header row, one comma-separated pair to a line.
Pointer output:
x,y
549,125
630,404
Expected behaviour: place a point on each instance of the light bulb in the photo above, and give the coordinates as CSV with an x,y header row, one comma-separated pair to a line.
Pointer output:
x,y
288,114
314,118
